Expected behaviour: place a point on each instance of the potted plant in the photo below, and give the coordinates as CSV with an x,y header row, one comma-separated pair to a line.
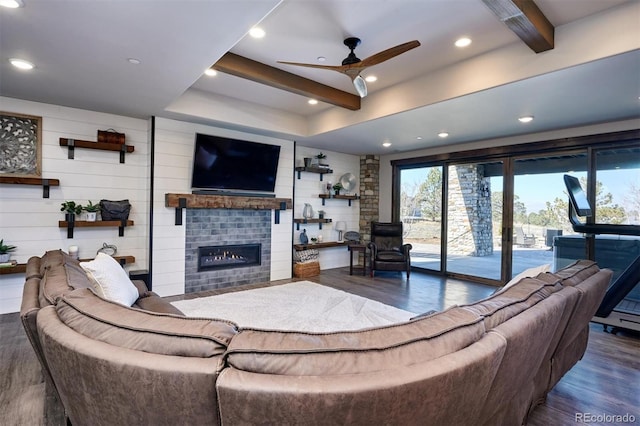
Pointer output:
x,y
92,211
320,159
5,251
71,209
336,188
321,214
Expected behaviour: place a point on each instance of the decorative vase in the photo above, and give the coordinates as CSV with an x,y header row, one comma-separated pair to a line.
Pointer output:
x,y
303,237
91,216
307,161
307,212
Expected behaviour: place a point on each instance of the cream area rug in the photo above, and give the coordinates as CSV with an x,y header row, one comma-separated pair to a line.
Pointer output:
x,y
299,306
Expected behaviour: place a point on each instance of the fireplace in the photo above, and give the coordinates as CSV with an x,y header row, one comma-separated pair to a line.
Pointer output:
x,y
226,229
229,256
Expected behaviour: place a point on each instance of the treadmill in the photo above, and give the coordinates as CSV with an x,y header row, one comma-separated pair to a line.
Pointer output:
x,y
620,307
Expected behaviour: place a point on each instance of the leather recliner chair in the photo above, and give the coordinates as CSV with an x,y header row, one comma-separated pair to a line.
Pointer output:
x,y
387,251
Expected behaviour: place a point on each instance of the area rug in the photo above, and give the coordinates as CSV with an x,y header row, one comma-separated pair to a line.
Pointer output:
x,y
300,306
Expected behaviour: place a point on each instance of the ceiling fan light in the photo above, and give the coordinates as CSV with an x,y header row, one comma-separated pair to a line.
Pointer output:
x,y
360,85
12,4
21,64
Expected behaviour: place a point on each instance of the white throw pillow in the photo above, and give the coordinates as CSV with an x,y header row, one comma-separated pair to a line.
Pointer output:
x,y
531,272
112,280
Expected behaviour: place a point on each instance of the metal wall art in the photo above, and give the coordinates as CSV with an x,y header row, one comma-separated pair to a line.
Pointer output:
x,y
20,145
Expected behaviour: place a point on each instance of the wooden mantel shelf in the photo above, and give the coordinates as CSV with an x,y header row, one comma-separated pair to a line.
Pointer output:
x,y
203,201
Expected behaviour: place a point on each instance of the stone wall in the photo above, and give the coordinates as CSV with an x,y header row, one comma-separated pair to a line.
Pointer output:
x,y
369,193
212,227
470,230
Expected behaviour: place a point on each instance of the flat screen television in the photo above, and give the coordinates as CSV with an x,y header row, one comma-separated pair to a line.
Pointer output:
x,y
226,164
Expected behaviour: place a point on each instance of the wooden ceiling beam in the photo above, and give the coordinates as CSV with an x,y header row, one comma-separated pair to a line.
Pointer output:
x,y
243,67
524,18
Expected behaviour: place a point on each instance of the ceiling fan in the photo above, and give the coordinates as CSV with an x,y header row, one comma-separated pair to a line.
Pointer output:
x,y
353,66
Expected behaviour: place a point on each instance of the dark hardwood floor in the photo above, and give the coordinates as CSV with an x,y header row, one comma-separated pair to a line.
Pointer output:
x,y
605,383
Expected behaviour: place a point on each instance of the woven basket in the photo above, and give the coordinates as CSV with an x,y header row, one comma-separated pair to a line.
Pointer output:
x,y
308,269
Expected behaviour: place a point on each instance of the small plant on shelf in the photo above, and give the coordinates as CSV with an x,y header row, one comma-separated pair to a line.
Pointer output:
x,y
70,207
92,211
314,240
5,251
336,188
320,158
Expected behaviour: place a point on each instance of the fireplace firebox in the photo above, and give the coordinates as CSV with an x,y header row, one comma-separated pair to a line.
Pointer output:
x,y
229,256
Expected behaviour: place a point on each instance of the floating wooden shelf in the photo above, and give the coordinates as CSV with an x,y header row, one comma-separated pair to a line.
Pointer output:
x,y
18,269
314,169
306,221
338,197
327,244
21,268
204,201
97,224
45,183
103,146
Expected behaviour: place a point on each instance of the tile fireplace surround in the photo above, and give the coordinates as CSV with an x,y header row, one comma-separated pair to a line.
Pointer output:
x,y
215,227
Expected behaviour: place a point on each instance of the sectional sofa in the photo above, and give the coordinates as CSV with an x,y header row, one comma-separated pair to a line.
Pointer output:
x,y
486,363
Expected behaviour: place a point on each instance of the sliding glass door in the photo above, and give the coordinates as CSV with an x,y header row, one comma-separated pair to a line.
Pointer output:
x,y
540,208
490,215
421,214
474,219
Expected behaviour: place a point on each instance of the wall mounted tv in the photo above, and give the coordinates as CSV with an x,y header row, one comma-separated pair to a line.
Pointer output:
x,y
225,164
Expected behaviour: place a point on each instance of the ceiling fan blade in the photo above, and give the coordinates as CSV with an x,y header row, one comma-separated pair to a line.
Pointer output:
x,y
339,68
388,54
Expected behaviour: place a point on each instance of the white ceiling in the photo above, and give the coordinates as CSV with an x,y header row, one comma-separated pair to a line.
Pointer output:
x,y
81,47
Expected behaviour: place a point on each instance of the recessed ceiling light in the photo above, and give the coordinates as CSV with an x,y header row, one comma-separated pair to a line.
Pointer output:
x,y
133,61
312,101
321,58
386,144
256,32
526,119
419,138
443,134
211,72
11,3
463,42
21,64
371,79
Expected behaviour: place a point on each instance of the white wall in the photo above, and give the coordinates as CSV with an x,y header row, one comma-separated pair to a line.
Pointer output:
x,y
385,161
30,222
307,189
173,157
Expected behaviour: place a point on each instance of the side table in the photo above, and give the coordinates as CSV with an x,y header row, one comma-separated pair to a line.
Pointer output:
x,y
357,248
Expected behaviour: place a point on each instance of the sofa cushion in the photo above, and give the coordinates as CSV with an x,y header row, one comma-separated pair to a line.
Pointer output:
x,y
150,301
60,274
512,300
113,323
573,274
352,352
528,273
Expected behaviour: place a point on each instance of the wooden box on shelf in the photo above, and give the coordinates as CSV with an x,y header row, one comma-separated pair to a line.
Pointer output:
x,y
110,136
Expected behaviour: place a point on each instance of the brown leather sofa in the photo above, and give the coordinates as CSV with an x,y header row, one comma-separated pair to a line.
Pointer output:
x,y
487,363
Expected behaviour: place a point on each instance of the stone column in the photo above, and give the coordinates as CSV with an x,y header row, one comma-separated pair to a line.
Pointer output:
x,y
369,194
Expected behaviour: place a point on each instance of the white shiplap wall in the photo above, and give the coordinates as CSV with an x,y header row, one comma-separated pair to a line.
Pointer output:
x,y
30,222
307,189
173,156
